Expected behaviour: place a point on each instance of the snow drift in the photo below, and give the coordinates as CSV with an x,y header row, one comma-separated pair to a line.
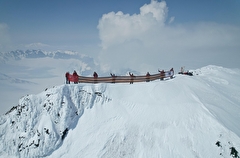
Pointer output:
x,y
188,116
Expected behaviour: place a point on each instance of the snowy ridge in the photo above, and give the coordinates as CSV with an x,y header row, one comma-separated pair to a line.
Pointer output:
x,y
38,125
188,116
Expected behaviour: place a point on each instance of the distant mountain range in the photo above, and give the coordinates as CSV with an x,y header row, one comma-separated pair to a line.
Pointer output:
x,y
84,66
20,54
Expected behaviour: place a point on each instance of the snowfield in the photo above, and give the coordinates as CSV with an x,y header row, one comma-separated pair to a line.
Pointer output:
x,y
188,116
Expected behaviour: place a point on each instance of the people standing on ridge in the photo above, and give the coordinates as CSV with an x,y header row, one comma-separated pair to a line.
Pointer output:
x,y
67,80
132,76
113,75
147,77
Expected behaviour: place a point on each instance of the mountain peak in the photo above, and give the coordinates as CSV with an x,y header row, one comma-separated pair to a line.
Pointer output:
x,y
188,116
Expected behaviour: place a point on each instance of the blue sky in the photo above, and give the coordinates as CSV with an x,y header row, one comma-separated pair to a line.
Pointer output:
x,y
58,22
80,26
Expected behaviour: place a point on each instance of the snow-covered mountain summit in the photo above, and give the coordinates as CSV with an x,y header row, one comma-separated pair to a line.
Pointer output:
x,y
188,116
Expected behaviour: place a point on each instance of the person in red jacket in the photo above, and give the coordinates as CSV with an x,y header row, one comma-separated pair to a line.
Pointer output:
x,y
67,80
75,77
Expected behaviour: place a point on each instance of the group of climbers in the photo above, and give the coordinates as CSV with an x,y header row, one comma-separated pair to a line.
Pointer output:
x,y
75,77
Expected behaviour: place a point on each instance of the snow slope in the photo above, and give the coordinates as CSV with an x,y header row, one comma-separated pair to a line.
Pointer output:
x,y
183,117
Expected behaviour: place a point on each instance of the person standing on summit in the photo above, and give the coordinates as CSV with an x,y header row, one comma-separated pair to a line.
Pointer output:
x,y
95,76
67,79
75,77
162,74
113,77
132,76
171,73
148,77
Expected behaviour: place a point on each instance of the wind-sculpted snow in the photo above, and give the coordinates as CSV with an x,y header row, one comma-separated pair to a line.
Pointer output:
x,y
39,124
188,116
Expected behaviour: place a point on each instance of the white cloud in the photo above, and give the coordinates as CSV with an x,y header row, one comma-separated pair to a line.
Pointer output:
x,y
115,28
158,10
145,42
